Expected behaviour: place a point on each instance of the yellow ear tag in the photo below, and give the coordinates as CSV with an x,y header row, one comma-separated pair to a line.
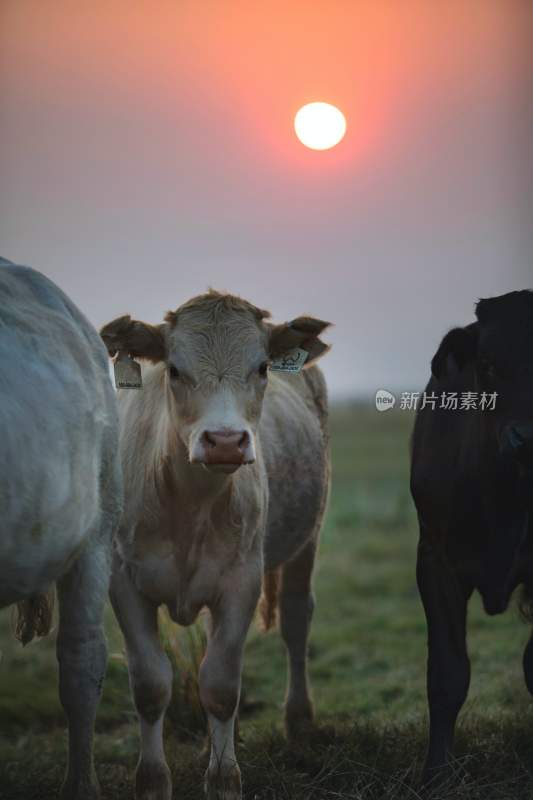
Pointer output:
x,y
127,372
292,361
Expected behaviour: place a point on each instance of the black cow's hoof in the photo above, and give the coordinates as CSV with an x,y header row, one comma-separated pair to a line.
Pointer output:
x,y
433,777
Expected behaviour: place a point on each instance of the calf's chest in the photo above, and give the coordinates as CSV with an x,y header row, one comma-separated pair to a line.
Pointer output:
x,y
183,572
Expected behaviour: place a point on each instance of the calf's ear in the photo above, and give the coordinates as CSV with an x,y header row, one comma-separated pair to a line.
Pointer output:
x,y
138,339
456,350
301,332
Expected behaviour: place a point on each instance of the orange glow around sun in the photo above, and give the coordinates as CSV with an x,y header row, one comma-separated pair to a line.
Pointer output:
x,y
374,62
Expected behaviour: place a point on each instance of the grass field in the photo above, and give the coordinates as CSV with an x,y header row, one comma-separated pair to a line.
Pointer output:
x,y
367,664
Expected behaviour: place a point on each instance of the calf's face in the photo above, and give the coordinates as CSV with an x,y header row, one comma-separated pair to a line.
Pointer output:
x,y
499,347
217,349
217,367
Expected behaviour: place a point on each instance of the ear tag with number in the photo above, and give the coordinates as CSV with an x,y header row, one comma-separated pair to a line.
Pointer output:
x,y
127,372
292,361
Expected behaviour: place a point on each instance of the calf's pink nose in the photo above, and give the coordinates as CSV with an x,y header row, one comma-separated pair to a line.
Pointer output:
x,y
225,447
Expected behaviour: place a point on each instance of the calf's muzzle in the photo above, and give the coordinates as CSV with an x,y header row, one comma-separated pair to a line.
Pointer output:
x,y
226,447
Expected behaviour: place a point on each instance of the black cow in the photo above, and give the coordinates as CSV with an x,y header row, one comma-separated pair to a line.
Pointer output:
x,y
472,483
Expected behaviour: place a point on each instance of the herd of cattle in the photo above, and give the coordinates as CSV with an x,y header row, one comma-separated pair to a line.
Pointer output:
x,y
206,488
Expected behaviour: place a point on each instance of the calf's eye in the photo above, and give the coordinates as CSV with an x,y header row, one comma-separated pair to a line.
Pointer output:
x,y
263,369
173,372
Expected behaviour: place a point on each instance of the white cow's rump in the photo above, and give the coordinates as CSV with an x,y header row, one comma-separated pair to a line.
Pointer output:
x,y
226,477
60,491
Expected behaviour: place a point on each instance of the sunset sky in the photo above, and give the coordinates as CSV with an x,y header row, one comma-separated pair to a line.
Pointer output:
x,y
147,152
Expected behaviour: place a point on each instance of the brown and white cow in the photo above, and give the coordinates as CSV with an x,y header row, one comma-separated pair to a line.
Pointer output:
x,y
226,479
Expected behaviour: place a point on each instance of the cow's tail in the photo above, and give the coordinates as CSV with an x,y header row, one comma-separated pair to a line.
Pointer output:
x,y
35,616
268,603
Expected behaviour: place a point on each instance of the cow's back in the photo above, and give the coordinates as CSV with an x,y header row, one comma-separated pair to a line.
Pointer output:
x,y
57,431
294,443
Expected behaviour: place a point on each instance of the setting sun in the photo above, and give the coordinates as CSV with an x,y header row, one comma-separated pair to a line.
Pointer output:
x,y
319,125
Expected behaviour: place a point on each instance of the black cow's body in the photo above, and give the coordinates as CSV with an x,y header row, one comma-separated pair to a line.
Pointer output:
x,y
472,482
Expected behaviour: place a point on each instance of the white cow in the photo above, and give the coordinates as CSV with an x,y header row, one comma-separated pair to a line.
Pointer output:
x,y
60,491
226,476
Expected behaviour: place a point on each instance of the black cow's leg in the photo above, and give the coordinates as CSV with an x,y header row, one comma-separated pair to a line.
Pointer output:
x,y
527,663
448,670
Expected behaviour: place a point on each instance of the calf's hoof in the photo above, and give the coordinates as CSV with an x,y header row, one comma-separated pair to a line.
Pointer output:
x,y
223,783
298,720
80,789
152,781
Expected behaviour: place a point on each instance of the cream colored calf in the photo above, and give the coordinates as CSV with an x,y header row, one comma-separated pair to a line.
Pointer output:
x,y
226,478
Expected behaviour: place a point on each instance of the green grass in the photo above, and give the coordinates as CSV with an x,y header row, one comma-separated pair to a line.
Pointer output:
x,y
367,665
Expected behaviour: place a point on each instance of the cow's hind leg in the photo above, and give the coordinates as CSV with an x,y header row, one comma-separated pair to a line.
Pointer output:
x,y
527,663
448,669
82,657
526,610
296,605
150,679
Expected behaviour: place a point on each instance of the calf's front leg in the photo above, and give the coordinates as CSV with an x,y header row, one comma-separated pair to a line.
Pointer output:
x,y
220,682
448,669
150,679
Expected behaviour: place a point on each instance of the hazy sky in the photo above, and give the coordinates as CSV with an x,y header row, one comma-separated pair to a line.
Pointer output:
x,y
147,152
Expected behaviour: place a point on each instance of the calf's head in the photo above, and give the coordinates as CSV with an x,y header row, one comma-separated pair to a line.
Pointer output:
x,y
498,351
216,349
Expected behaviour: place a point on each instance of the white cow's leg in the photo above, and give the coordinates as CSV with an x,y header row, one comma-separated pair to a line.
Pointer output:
x,y
220,684
150,679
82,656
296,607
